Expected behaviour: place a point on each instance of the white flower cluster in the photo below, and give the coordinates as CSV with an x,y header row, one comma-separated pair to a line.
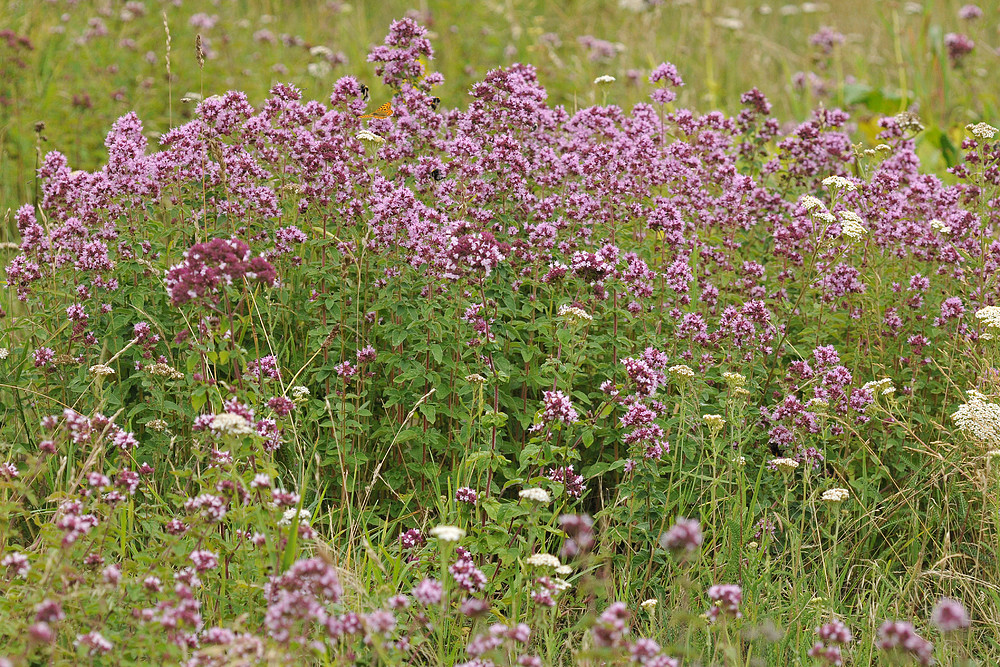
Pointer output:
x,y
714,422
538,495
229,423
572,314
939,226
835,495
979,418
982,130
839,183
810,203
883,386
447,533
851,225
734,380
164,370
290,514
785,464
369,136
543,560
681,372
990,316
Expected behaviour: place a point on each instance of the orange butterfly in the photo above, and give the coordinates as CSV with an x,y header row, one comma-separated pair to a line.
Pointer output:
x,y
383,111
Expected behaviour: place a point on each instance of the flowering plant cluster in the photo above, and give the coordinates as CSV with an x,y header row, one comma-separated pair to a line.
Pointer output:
x,y
282,392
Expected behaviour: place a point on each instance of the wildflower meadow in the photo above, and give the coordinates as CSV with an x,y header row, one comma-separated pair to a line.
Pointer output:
x,y
371,376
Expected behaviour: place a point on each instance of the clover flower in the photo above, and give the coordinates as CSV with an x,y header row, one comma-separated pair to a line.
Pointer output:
x,y
901,637
726,599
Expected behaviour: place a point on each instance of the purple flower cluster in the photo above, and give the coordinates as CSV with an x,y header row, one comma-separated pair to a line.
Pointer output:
x,y
726,600
684,536
901,637
208,267
572,482
832,636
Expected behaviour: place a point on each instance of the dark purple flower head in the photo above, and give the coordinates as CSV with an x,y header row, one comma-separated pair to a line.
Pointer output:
x,y
970,13
611,626
949,615
685,535
466,495
398,61
566,476
209,267
727,599
902,637
959,46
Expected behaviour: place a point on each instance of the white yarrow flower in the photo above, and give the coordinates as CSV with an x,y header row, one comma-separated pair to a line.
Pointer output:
x,y
681,371
785,465
982,130
231,424
809,203
733,380
839,183
538,495
835,495
852,226
979,418
543,560
101,370
989,315
939,226
573,314
447,533
369,136
605,78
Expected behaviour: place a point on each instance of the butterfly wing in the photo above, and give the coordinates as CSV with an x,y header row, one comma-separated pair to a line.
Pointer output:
x,y
383,111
